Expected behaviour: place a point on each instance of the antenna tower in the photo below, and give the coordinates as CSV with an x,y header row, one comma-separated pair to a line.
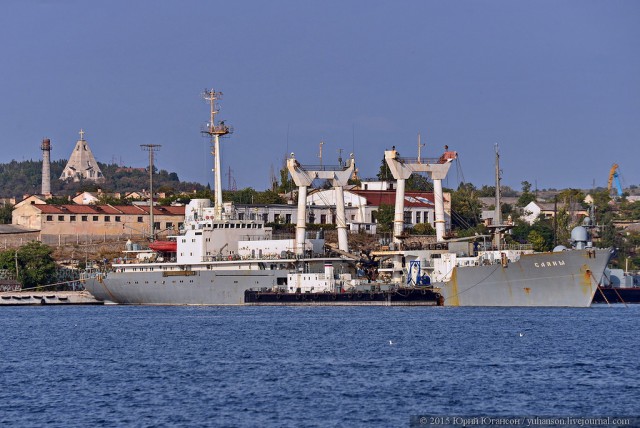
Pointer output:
x,y
151,148
215,131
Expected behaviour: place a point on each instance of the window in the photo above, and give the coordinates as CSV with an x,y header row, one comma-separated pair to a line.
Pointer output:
x,y
118,218
84,218
72,218
49,218
276,218
240,216
323,219
60,218
156,225
95,218
140,219
288,219
107,218
168,225
417,217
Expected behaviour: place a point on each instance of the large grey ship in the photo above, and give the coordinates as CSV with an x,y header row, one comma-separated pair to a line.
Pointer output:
x,y
218,256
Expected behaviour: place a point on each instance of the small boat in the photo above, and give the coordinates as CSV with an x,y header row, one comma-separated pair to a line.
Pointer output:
x,y
164,246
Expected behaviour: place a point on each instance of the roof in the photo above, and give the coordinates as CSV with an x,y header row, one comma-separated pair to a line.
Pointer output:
x,y
12,228
388,197
108,209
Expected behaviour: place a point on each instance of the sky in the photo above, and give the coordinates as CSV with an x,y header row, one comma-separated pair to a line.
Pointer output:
x,y
555,83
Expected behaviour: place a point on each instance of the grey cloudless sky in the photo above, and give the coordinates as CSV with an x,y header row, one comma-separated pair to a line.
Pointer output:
x,y
554,83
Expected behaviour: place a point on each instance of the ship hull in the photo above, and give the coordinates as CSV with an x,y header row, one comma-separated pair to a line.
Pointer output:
x,y
221,287
568,279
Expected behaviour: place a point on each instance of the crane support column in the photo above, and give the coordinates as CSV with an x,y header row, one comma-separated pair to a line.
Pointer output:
x,y
341,223
398,217
301,224
439,207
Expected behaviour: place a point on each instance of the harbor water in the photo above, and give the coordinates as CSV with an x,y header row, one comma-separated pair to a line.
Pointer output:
x,y
312,366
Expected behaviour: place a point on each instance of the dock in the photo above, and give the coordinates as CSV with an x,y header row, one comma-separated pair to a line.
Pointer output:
x,y
46,298
401,297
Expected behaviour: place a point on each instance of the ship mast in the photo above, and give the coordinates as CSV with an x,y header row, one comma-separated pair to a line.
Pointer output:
x,y
215,132
498,209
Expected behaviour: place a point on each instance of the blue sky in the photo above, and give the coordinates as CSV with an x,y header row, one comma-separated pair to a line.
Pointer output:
x,y
555,83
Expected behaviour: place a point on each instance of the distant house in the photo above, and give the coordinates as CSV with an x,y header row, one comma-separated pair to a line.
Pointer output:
x,y
31,200
544,210
92,198
86,198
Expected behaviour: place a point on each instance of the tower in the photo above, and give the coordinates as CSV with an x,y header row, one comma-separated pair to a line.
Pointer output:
x,y
46,167
215,131
82,164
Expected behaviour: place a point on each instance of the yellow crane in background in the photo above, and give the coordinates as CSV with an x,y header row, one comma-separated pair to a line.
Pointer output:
x,y
614,177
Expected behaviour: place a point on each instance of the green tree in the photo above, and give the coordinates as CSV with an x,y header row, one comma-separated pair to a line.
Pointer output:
x,y
422,229
526,196
418,183
6,212
537,240
286,182
465,207
35,264
58,200
384,174
268,197
384,217
487,191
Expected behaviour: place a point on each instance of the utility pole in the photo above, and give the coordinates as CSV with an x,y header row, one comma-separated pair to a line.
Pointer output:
x,y
151,148
320,155
420,146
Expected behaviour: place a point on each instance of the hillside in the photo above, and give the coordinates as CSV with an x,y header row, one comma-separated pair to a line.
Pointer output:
x,y
20,178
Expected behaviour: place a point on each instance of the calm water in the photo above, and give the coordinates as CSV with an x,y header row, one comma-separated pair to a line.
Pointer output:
x,y
165,366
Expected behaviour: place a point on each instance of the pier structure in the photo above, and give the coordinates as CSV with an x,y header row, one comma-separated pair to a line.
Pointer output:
x,y
303,176
401,169
215,131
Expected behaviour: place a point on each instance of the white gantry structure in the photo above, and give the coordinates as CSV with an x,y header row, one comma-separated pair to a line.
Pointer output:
x,y
402,168
303,176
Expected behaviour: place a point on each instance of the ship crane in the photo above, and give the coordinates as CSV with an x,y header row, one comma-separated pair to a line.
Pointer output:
x,y
303,176
401,169
614,178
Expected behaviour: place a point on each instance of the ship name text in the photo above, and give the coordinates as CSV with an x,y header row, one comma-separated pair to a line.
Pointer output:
x,y
549,264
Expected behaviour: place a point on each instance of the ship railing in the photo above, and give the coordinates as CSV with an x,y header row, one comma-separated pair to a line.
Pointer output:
x,y
512,247
420,160
324,167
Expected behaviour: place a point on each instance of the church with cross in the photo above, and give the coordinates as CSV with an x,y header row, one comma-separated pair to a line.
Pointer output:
x,y
82,165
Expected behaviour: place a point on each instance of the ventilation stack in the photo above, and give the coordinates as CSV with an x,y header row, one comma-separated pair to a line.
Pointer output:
x,y
46,167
